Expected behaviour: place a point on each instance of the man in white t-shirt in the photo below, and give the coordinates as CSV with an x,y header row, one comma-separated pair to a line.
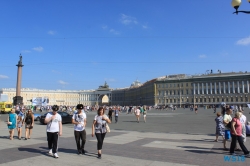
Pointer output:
x,y
54,129
243,120
226,120
79,119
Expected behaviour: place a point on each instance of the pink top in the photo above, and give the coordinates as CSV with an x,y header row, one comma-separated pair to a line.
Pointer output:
x,y
237,126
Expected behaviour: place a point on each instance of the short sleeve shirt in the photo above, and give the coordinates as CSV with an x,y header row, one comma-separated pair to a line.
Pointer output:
x,y
227,118
137,112
100,126
53,126
79,118
243,119
238,126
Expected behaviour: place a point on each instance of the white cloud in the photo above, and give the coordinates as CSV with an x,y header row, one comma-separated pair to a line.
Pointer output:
x,y
202,56
244,41
114,32
144,26
51,32
39,49
25,51
62,82
104,27
127,20
3,77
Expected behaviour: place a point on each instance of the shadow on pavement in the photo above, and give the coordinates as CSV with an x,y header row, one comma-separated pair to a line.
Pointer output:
x,y
33,150
202,140
72,151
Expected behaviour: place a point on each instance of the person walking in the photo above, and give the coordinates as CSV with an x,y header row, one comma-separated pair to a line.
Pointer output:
x,y
227,121
137,114
214,108
19,126
99,129
196,109
54,129
220,128
29,124
79,120
110,113
144,113
236,132
116,114
12,122
243,121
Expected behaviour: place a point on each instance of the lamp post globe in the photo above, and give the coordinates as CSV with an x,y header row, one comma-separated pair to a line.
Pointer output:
x,y
236,4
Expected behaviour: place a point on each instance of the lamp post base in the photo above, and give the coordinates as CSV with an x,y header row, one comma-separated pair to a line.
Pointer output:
x,y
17,100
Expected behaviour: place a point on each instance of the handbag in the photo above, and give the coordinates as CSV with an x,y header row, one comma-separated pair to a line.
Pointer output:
x,y
107,128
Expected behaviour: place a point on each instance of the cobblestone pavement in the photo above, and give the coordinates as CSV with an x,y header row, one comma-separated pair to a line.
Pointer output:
x,y
167,138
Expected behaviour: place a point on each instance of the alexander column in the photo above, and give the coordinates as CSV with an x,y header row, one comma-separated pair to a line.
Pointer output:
x,y
18,99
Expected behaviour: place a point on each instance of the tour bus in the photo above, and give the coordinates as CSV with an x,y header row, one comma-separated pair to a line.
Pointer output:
x,y
5,107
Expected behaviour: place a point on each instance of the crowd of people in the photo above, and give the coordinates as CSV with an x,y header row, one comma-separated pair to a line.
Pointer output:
x,y
233,129
22,116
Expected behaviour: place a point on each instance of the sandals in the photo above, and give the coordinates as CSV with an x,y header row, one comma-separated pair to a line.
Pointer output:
x,y
215,140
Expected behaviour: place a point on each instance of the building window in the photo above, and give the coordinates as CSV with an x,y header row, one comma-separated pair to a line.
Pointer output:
x,y
218,99
174,100
232,99
241,99
187,92
186,84
209,100
213,99
177,85
196,100
236,99
205,100
222,99
246,99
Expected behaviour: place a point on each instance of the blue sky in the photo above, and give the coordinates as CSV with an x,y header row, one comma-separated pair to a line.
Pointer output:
x,y
81,44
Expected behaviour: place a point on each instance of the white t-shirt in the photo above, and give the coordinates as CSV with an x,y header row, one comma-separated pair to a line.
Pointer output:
x,y
53,126
227,118
243,119
137,112
79,118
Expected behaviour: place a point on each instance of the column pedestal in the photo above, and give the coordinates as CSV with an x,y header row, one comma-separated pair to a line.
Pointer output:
x,y
17,100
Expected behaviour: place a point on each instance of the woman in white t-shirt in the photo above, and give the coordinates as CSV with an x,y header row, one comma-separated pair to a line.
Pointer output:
x,y
137,114
54,129
99,128
79,121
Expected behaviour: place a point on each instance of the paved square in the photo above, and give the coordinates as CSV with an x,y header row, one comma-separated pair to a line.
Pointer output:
x,y
167,138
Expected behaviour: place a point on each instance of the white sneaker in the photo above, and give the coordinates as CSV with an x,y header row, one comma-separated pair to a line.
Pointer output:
x,y
50,152
56,155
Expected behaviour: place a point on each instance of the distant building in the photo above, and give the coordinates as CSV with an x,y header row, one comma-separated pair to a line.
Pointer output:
x,y
180,89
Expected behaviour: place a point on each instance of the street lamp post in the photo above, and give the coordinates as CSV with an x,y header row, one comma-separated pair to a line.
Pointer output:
x,y
236,4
